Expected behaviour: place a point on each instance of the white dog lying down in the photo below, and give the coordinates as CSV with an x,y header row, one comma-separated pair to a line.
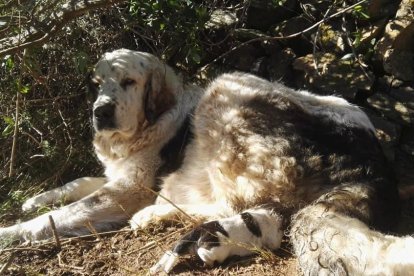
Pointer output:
x,y
137,118
263,160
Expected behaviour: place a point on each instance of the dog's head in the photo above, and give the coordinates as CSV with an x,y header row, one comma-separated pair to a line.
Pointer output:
x,y
133,90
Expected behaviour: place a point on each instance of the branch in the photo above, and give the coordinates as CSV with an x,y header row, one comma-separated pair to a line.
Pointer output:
x,y
70,11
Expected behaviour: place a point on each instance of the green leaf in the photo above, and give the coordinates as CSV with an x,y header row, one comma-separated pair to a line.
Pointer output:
x,y
24,89
7,131
8,63
8,120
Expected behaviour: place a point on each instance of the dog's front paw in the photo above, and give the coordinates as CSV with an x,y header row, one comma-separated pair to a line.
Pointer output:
x,y
35,202
151,215
30,205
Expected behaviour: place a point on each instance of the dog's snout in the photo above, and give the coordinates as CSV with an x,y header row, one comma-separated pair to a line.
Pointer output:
x,y
103,115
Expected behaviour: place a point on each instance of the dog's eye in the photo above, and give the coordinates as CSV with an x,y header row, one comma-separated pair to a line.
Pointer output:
x,y
127,82
93,85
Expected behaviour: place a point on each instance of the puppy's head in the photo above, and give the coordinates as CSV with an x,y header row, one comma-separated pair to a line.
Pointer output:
x,y
133,90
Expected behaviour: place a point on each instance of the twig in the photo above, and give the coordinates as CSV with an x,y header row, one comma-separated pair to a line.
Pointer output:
x,y
93,230
152,244
262,38
62,264
63,241
172,203
67,240
7,264
15,132
16,121
22,249
362,65
315,58
54,231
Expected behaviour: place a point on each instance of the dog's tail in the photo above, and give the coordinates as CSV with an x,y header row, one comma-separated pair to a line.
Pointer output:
x,y
331,237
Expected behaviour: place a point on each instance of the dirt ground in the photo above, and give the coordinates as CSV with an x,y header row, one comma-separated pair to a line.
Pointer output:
x,y
128,253
124,252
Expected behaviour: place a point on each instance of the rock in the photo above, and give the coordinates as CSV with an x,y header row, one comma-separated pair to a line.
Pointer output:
x,y
244,58
391,108
263,13
330,38
221,19
334,76
291,26
405,95
399,63
279,66
395,50
386,83
370,35
388,134
379,9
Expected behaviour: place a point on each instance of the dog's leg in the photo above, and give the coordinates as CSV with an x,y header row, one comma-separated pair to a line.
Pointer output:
x,y
106,208
70,192
328,239
214,241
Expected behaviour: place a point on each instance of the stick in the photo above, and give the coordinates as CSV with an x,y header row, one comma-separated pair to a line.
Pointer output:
x,y
54,231
62,264
172,203
16,121
93,230
152,244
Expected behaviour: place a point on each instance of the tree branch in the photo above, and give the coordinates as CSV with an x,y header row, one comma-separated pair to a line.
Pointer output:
x,y
73,9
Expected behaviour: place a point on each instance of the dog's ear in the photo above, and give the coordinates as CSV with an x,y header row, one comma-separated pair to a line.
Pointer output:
x,y
158,96
92,85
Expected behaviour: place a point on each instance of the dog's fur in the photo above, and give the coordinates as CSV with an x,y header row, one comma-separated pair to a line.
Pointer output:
x,y
264,159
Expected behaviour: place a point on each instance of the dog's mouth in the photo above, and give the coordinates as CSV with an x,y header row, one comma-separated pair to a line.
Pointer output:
x,y
104,117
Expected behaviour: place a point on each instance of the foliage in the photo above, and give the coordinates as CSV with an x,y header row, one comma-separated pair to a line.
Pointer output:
x,y
175,24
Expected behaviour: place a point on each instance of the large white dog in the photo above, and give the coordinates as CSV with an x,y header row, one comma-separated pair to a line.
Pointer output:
x,y
262,160
137,117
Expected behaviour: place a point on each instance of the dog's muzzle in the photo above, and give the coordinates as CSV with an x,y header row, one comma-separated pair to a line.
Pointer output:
x,y
104,116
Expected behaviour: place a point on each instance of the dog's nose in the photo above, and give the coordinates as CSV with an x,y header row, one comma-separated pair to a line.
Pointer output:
x,y
104,116
105,111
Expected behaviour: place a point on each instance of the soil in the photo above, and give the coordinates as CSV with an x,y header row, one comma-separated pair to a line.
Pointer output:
x,y
125,252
